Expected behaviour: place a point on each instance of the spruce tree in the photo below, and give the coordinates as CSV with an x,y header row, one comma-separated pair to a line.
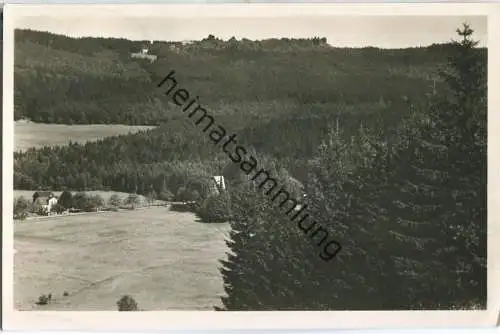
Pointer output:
x,y
409,211
274,265
463,117
439,188
268,267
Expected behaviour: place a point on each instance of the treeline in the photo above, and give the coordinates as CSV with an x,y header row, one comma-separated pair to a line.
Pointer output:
x,y
410,214
128,163
83,202
168,156
271,44
81,45
93,80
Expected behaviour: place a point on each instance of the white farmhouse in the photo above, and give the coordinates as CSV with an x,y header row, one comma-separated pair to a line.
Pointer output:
x,y
51,203
218,184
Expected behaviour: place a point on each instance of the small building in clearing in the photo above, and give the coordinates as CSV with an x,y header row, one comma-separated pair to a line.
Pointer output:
x,y
218,184
43,195
46,198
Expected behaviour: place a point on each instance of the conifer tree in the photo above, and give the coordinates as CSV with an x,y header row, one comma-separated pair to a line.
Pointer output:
x,y
410,213
437,201
463,117
268,267
274,265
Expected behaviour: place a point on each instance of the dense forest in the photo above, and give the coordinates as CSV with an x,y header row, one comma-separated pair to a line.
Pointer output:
x,y
389,145
268,92
410,214
93,80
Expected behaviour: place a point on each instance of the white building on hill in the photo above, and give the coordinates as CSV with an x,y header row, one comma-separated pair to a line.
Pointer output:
x,y
144,53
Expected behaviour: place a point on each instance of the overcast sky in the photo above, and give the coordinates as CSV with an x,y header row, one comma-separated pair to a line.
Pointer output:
x,y
351,31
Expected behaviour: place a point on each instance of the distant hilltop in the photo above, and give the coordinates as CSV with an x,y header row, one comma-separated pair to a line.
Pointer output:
x,y
135,48
210,42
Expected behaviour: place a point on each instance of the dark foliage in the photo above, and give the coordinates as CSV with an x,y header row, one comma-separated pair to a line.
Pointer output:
x,y
21,208
215,208
94,80
132,201
166,195
58,208
303,85
44,299
410,214
66,199
114,200
184,207
80,201
127,303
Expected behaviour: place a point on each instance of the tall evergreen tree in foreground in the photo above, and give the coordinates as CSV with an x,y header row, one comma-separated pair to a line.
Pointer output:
x,y
276,265
458,123
439,174
410,213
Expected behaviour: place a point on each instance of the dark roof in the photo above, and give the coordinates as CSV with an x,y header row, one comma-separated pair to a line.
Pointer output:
x,y
43,194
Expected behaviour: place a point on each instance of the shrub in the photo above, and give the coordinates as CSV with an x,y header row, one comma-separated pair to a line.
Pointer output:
x,y
215,208
80,201
181,194
114,200
58,208
66,199
194,195
94,202
65,294
166,196
42,210
21,208
184,207
132,200
37,207
127,303
151,197
186,195
44,299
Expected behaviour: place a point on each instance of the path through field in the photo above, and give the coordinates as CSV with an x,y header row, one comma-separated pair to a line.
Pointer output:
x,y
165,260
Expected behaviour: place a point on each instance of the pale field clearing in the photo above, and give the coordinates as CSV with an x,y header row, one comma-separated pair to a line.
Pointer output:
x,y
165,260
29,134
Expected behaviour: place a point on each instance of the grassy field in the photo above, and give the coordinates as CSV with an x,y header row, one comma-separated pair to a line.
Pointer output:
x,y
165,260
29,134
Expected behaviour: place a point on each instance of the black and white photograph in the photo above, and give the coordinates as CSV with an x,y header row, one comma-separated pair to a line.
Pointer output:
x,y
223,161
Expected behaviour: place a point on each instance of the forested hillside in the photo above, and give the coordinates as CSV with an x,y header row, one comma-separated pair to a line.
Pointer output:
x,y
409,213
94,80
272,93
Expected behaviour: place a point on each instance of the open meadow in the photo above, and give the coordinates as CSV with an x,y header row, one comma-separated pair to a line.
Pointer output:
x,y
29,134
165,260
